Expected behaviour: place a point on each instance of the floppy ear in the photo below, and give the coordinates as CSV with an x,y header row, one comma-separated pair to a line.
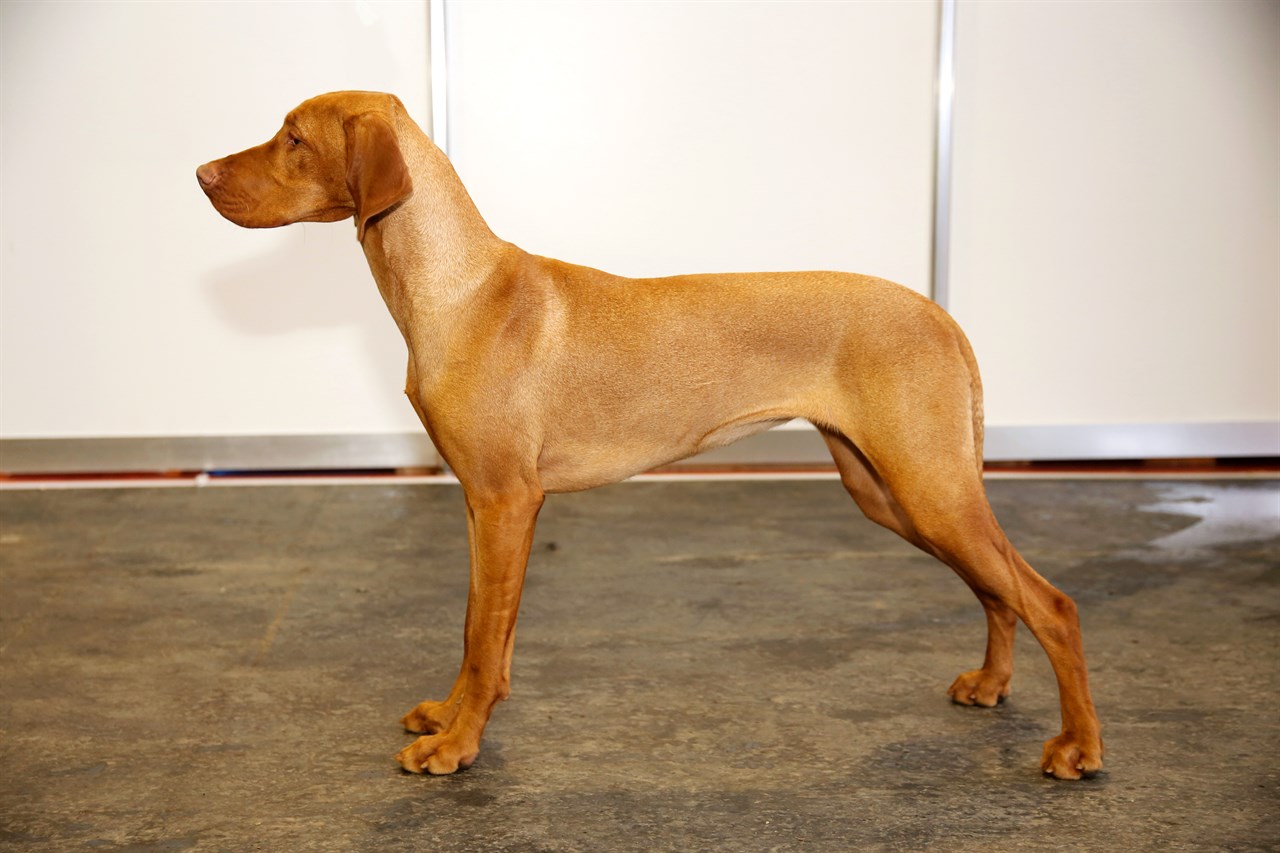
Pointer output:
x,y
376,173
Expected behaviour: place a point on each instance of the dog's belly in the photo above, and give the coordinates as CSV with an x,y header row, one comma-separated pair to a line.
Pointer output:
x,y
583,462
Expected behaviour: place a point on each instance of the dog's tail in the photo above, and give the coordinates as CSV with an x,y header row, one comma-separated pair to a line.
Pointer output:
x,y
975,397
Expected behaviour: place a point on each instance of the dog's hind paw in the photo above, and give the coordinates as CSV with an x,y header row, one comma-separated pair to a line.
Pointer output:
x,y
979,687
430,717
437,755
1068,756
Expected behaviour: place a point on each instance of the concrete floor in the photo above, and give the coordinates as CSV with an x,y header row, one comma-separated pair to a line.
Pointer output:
x,y
710,666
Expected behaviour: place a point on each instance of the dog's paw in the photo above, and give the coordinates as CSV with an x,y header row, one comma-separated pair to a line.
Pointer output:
x,y
1071,757
979,687
437,754
428,718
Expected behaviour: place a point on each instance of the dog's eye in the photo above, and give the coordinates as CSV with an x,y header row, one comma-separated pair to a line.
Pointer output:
x,y
294,141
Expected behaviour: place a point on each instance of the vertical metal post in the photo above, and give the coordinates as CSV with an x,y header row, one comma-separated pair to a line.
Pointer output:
x,y
439,103
439,76
942,151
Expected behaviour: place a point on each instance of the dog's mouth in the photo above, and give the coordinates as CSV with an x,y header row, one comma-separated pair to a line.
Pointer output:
x,y
229,195
238,205
237,210
248,211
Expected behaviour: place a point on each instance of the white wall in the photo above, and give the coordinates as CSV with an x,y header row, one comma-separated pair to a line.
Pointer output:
x,y
661,138
128,306
1116,216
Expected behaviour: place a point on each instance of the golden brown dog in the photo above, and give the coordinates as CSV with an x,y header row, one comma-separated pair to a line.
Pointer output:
x,y
532,375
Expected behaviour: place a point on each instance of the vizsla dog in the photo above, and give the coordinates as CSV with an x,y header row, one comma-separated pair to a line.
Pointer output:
x,y
533,375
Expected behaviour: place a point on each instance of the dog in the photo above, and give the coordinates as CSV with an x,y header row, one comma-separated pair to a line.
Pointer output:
x,y
535,376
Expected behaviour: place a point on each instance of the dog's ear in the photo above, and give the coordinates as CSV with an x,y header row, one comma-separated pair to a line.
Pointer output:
x,y
376,172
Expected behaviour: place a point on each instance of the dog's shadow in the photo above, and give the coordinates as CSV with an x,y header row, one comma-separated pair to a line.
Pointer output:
x,y
311,276
314,278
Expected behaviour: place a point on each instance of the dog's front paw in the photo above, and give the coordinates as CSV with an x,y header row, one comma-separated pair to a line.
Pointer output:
x,y
438,754
1069,756
979,687
430,717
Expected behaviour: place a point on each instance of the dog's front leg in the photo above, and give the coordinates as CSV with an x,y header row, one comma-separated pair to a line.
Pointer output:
x,y
430,717
501,526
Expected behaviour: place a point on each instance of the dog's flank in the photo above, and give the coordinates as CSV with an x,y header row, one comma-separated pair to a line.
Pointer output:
x,y
532,376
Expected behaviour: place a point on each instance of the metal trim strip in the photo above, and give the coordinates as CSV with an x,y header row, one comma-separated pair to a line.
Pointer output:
x,y
437,22
785,447
942,149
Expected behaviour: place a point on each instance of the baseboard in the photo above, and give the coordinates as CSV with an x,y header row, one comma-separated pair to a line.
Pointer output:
x,y
217,453
798,447
1134,441
1042,443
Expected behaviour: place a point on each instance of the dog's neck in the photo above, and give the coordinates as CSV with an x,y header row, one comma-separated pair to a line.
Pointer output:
x,y
450,250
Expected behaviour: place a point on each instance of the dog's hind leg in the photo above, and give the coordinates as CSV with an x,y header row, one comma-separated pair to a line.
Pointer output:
x,y
911,458
961,531
987,686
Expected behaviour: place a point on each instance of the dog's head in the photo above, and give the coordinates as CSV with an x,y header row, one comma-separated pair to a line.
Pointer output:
x,y
336,156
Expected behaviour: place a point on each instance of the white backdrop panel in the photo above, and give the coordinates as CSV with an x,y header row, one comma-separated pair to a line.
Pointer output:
x,y
128,306
1117,209
661,138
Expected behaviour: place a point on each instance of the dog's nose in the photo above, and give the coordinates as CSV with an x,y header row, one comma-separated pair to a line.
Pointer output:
x,y
208,174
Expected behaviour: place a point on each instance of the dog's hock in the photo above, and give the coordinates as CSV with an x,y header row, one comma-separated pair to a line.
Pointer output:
x,y
377,175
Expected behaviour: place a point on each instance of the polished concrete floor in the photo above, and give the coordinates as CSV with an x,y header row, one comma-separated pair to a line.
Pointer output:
x,y
700,666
